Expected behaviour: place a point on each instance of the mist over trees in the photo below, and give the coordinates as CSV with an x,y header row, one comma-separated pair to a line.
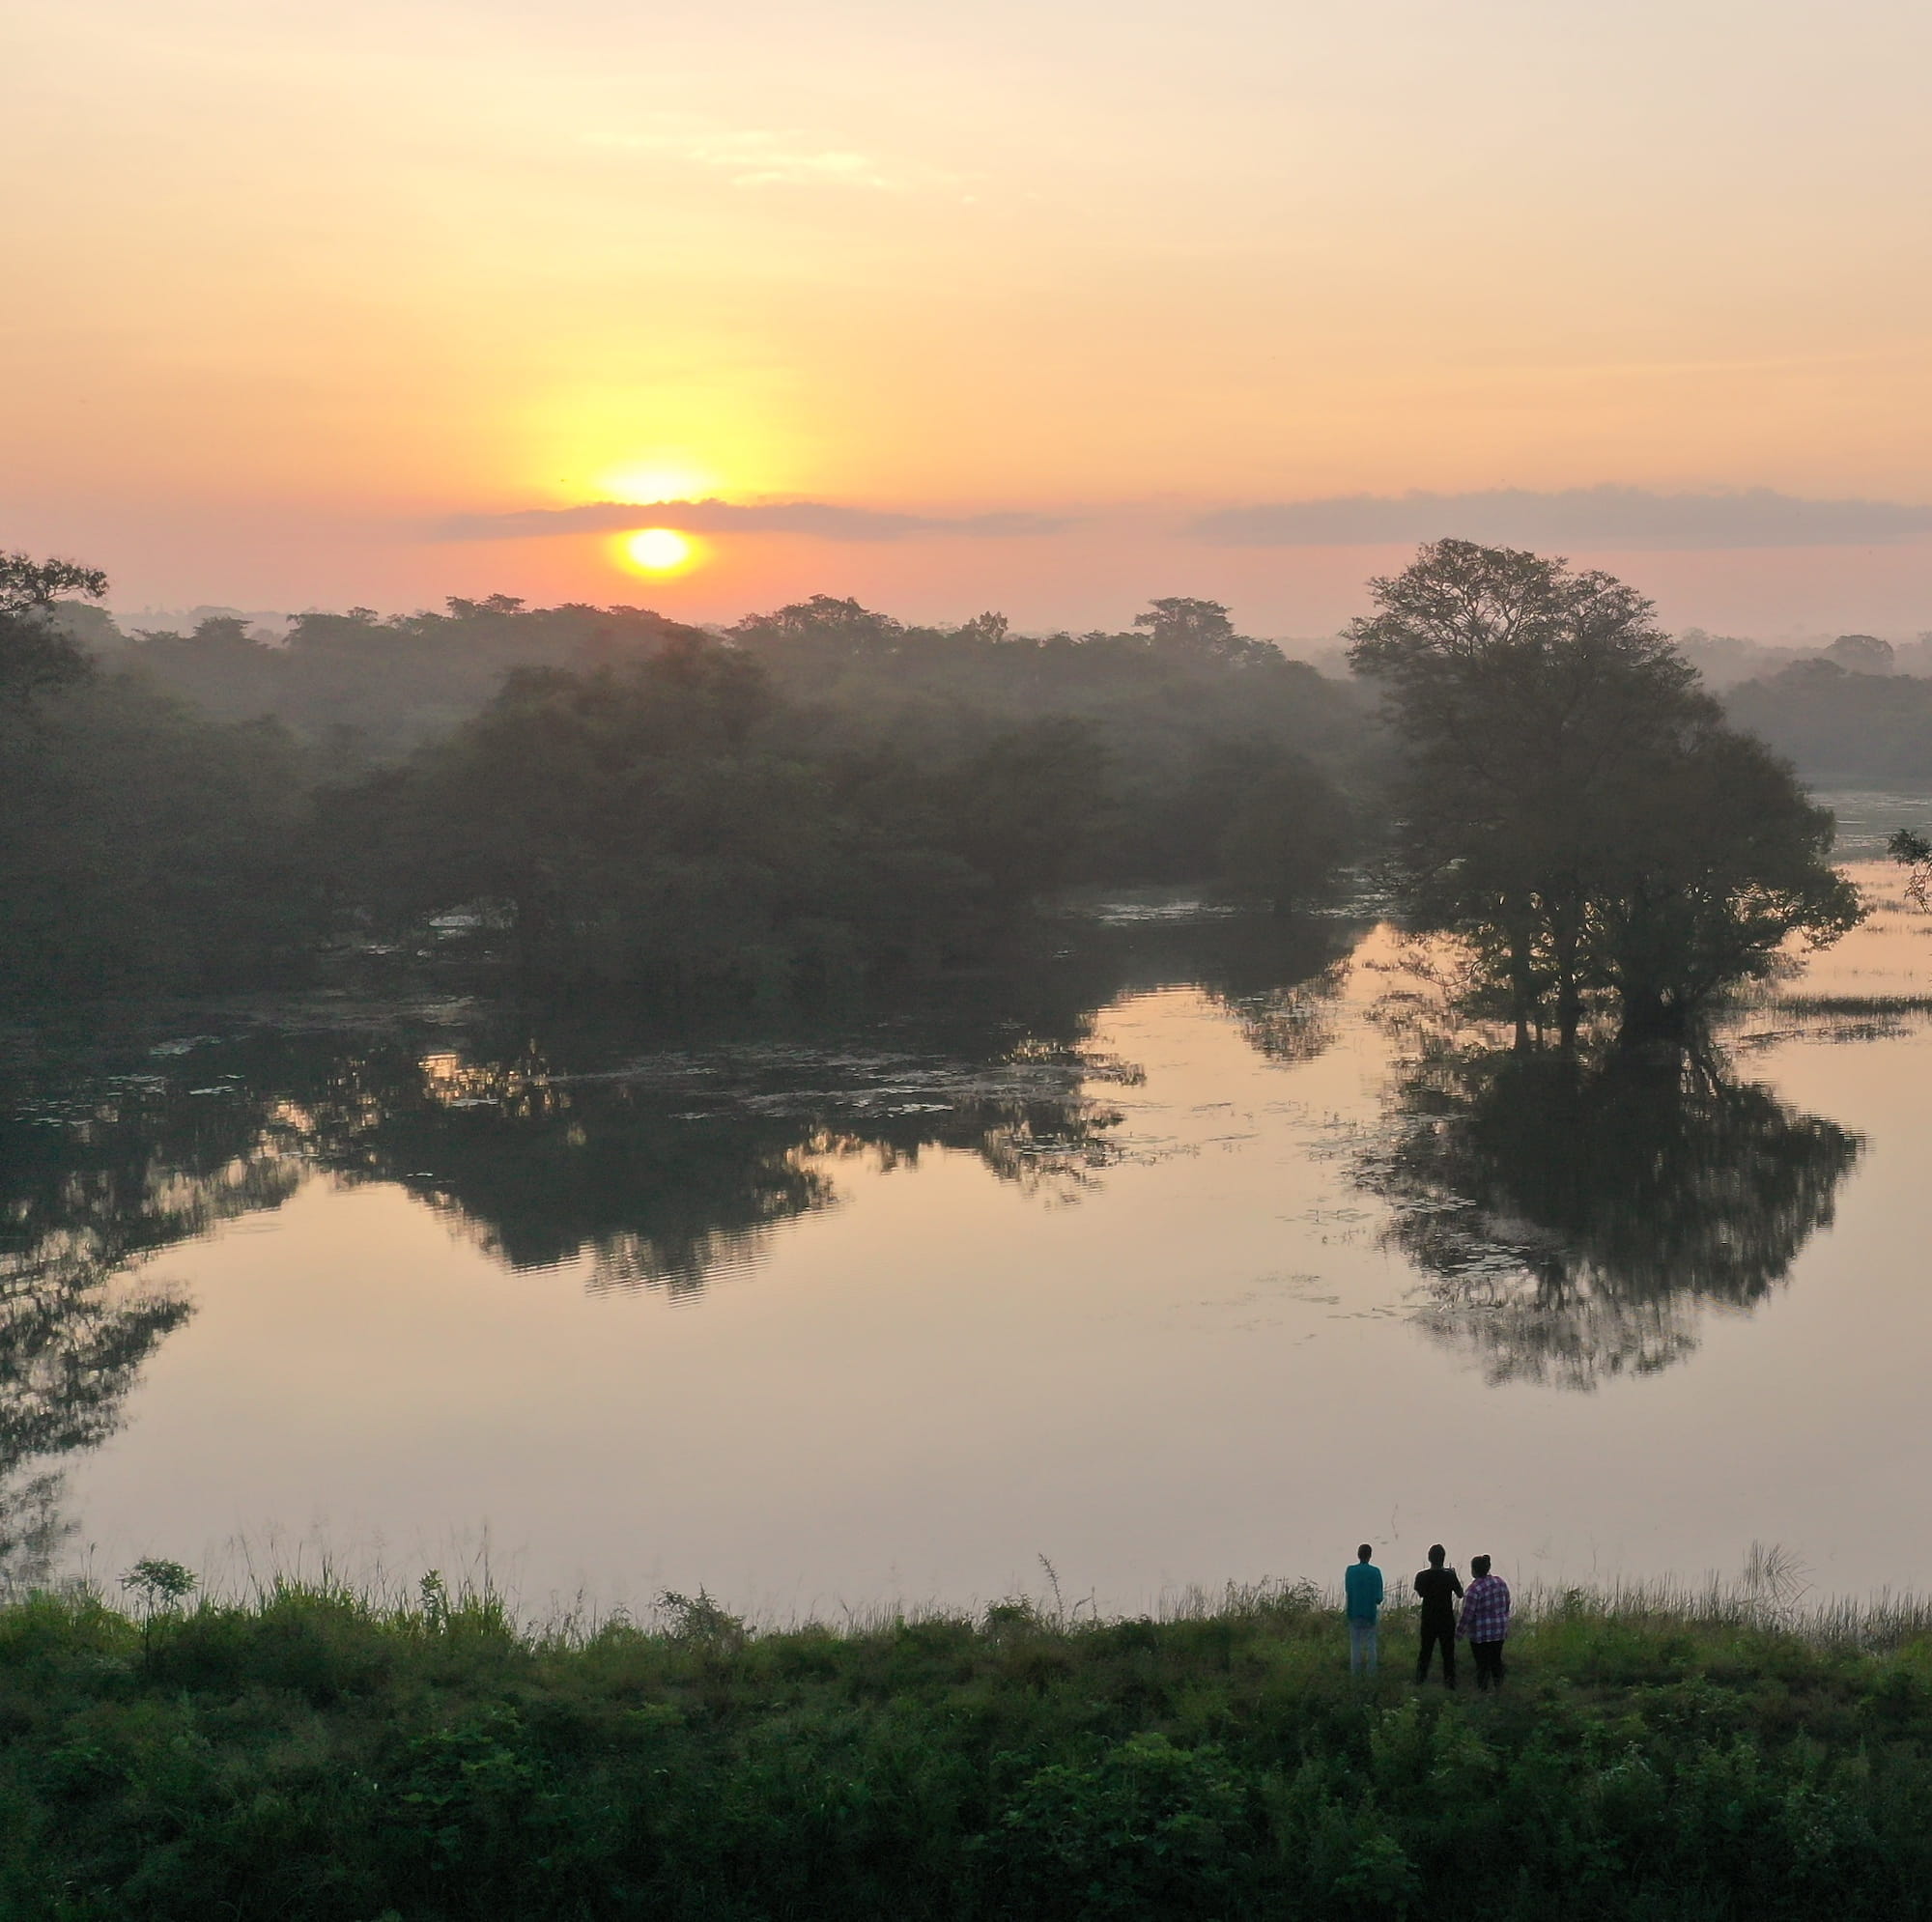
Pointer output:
x,y
818,797
372,690
823,795
1841,723
142,846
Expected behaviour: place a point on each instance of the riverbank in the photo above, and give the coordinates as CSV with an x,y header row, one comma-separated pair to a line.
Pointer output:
x,y
314,1755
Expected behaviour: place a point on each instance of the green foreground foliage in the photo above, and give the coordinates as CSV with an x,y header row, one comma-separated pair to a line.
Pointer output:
x,y
312,1756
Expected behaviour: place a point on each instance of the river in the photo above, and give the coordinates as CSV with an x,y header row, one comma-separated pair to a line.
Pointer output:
x,y
1199,1252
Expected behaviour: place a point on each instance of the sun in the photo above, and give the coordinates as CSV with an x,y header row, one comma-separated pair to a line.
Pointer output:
x,y
658,550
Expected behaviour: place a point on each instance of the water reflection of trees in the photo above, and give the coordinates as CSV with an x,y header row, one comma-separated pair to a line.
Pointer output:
x,y
665,1171
1575,1218
89,1182
657,1160
1280,977
664,1165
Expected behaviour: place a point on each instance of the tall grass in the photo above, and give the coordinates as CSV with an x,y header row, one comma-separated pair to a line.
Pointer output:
x,y
314,1750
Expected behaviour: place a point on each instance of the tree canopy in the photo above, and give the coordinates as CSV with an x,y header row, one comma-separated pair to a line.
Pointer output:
x,y
34,654
824,791
1570,800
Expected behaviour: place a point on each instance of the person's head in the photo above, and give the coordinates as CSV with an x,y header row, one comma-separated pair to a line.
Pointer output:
x,y
1479,1566
1363,1553
1437,1555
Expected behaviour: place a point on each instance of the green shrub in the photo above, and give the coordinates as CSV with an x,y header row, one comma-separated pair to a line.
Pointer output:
x,y
315,1757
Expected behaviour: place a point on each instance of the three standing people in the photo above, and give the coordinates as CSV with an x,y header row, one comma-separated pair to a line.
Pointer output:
x,y
1485,1623
1363,1586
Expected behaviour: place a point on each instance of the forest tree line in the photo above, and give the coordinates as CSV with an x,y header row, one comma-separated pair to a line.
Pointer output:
x,y
823,795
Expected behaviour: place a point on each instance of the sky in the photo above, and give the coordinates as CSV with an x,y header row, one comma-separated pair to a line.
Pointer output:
x,y
1044,308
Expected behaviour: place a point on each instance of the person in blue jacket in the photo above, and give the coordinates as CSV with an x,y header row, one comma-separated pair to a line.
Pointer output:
x,y
1363,1587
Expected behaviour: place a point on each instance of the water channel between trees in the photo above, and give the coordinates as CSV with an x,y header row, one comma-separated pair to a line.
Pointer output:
x,y
1201,1251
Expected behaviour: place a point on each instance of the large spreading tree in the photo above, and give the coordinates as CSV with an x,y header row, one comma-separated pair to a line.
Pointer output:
x,y
35,654
1570,800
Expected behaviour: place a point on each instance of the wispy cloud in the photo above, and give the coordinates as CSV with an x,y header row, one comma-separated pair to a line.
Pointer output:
x,y
817,517
1605,517
765,157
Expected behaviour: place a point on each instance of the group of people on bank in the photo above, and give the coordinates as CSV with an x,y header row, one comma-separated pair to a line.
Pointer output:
x,y
1484,1623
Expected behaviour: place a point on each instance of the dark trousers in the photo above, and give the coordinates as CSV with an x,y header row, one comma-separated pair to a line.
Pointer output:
x,y
1488,1663
1437,1634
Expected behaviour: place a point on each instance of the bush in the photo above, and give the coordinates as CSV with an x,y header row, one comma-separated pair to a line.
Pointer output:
x,y
316,1757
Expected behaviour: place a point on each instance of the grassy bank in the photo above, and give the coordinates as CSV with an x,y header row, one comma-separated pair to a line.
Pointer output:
x,y
310,1755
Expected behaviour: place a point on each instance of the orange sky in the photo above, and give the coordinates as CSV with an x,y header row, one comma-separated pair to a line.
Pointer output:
x,y
294,285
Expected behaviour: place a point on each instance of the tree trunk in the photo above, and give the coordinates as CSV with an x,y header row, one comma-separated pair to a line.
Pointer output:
x,y
1522,986
1569,995
1568,918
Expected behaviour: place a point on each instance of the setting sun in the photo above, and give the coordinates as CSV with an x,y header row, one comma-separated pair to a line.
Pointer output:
x,y
658,550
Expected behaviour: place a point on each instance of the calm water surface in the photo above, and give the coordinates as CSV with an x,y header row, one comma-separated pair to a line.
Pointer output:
x,y
1205,1250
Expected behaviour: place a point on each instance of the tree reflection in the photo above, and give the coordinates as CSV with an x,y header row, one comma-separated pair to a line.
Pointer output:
x,y
90,1181
1574,1220
662,1164
654,1159
677,1165
1280,977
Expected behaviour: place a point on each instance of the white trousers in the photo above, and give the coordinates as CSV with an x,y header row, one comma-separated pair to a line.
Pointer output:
x,y
1363,1646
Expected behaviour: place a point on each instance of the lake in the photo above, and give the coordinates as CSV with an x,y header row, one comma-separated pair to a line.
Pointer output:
x,y
1201,1250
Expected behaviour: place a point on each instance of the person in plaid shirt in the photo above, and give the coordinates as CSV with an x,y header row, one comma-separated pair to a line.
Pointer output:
x,y
1486,1621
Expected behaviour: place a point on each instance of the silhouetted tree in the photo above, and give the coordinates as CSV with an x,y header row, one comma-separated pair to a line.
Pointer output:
x,y
1563,774
1863,654
1717,860
1205,629
670,822
35,654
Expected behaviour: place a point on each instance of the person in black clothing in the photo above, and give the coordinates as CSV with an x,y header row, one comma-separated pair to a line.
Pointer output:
x,y
1438,1587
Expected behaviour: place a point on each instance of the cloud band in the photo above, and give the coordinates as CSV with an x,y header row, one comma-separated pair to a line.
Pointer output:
x,y
818,519
1605,517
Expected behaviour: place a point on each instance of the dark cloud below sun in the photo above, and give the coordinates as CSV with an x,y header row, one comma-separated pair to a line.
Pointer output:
x,y
1605,517
818,519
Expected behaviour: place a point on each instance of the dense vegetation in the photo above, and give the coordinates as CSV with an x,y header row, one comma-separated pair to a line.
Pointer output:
x,y
141,844
820,797
1571,801
318,1760
823,797
371,689
1841,725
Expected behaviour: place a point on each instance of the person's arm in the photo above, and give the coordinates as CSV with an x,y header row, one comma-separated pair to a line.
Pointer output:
x,y
1454,1581
1377,1597
1419,1573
